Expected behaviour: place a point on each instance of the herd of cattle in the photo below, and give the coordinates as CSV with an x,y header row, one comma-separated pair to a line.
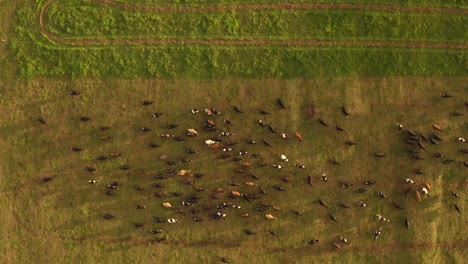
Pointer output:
x,y
215,133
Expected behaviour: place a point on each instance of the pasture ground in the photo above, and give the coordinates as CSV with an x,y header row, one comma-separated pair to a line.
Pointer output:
x,y
63,218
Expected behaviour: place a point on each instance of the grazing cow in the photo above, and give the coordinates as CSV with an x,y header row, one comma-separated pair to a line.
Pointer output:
x,y
418,195
309,180
93,181
197,219
171,126
424,190
237,109
446,95
361,204
433,141
145,129
42,121
279,188
90,169
461,139
74,92
417,157
249,232
273,233
101,158
313,241
285,179
408,180
344,111
397,206
84,118
280,103
361,190
407,223
334,162
172,221
457,207
350,143
154,145
157,231
455,194
276,166
266,143
270,217
346,185
261,123
255,176
424,137
369,182
345,205
324,177
382,195
284,158
106,137
110,193
300,165
262,190
191,151
418,171
157,114
192,131
421,145
102,129
337,245
438,155
343,240
124,167
194,111
226,134
436,127
298,136
322,122
167,205
377,233
250,141
263,112
139,207
457,113
108,216
297,213
229,122
339,128
272,129
284,136
333,218
139,188
146,102
76,149
465,163
218,215
46,179
380,155
224,260
179,139
322,203
113,185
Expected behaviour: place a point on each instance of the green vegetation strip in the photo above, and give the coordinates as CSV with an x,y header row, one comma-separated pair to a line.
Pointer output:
x,y
69,21
37,56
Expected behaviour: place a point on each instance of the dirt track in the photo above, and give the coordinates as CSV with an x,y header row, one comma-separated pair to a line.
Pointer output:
x,y
260,41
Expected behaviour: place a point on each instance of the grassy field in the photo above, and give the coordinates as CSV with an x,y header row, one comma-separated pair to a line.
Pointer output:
x,y
64,216
38,56
61,221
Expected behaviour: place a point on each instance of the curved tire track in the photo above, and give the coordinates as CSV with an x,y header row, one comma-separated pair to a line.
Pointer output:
x,y
356,43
